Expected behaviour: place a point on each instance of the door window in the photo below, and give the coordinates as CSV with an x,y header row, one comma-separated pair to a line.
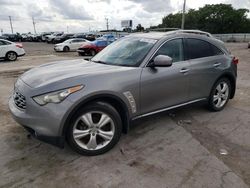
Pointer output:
x,y
173,49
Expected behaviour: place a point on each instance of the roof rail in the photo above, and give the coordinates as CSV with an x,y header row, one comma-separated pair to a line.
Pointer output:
x,y
198,32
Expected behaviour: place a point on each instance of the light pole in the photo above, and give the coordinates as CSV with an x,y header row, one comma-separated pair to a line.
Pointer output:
x,y
183,15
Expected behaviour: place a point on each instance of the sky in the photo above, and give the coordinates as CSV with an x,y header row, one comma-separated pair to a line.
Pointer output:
x,y
89,15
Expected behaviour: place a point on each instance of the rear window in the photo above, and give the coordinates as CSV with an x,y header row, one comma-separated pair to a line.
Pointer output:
x,y
199,48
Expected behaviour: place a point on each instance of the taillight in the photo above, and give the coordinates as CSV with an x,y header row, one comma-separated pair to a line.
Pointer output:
x,y
19,45
235,60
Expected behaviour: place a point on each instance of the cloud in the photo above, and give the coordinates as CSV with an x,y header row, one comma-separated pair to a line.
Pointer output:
x,y
69,11
155,5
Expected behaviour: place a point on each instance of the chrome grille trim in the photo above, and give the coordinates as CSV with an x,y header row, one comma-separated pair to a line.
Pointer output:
x,y
19,100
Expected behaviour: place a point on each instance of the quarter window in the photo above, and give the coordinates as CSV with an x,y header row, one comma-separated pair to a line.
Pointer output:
x,y
198,49
173,49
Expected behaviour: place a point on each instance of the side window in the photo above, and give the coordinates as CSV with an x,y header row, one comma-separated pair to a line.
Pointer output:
x,y
216,51
1,43
199,49
173,49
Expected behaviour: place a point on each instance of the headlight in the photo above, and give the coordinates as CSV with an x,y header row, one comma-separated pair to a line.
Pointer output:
x,y
57,96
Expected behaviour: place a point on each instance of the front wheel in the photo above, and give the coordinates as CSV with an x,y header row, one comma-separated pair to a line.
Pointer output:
x,y
220,95
92,52
94,129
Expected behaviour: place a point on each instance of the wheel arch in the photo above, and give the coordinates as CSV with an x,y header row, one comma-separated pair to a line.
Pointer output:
x,y
9,52
113,100
232,80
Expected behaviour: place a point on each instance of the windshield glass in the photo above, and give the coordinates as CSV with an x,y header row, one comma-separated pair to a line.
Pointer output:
x,y
67,41
128,51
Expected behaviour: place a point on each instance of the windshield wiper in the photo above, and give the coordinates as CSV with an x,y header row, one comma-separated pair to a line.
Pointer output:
x,y
101,62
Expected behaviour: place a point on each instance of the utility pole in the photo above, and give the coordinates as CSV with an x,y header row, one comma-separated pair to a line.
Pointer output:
x,y
183,15
11,24
34,24
107,23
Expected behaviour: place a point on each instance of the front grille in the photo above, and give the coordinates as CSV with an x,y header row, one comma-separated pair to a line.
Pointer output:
x,y
19,100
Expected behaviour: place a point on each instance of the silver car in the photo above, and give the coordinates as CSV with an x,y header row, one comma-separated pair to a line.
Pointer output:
x,y
90,103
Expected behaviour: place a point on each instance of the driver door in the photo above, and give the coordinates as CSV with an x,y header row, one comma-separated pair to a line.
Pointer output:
x,y
163,87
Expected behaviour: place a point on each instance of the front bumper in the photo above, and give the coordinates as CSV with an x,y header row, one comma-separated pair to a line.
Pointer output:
x,y
58,49
43,122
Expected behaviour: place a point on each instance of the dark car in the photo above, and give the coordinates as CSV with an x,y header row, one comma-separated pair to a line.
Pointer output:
x,y
62,38
79,35
93,48
12,37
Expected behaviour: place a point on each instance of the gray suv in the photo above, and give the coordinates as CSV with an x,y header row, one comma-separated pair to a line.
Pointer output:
x,y
90,103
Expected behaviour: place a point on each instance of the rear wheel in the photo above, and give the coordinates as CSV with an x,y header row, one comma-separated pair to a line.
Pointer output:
x,y
66,49
94,129
11,56
220,95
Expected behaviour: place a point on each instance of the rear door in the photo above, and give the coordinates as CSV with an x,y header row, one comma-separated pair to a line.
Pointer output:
x,y
206,64
163,87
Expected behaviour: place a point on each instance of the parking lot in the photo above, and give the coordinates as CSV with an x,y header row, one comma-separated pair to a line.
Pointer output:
x,y
188,147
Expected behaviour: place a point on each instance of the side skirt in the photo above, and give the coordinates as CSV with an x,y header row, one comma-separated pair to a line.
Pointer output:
x,y
168,108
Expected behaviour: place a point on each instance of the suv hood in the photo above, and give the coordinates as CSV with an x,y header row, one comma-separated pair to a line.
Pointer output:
x,y
58,71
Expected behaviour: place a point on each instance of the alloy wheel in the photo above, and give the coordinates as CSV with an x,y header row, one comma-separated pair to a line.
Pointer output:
x,y
93,130
11,56
221,94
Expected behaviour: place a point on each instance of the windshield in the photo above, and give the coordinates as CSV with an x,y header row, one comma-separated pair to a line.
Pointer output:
x,y
128,51
67,41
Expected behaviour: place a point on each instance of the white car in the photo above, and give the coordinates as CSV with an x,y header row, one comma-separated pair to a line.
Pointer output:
x,y
10,50
70,45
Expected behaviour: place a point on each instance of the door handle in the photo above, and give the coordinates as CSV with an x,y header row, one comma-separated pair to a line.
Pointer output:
x,y
184,70
217,64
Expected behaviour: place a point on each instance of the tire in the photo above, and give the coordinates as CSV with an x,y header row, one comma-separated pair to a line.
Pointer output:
x,y
92,52
81,54
94,139
66,49
11,56
219,95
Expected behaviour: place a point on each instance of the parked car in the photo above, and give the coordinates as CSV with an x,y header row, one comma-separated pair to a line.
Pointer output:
x,y
11,37
92,48
70,45
79,35
50,38
44,35
108,37
90,37
62,38
10,50
90,103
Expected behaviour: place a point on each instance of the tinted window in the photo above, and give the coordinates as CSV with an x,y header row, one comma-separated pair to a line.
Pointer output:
x,y
173,49
4,42
199,48
215,50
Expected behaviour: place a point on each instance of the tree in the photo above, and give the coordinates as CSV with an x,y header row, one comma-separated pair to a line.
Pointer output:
x,y
219,18
139,28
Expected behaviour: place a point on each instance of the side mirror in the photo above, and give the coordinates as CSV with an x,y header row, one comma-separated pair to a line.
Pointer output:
x,y
161,61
